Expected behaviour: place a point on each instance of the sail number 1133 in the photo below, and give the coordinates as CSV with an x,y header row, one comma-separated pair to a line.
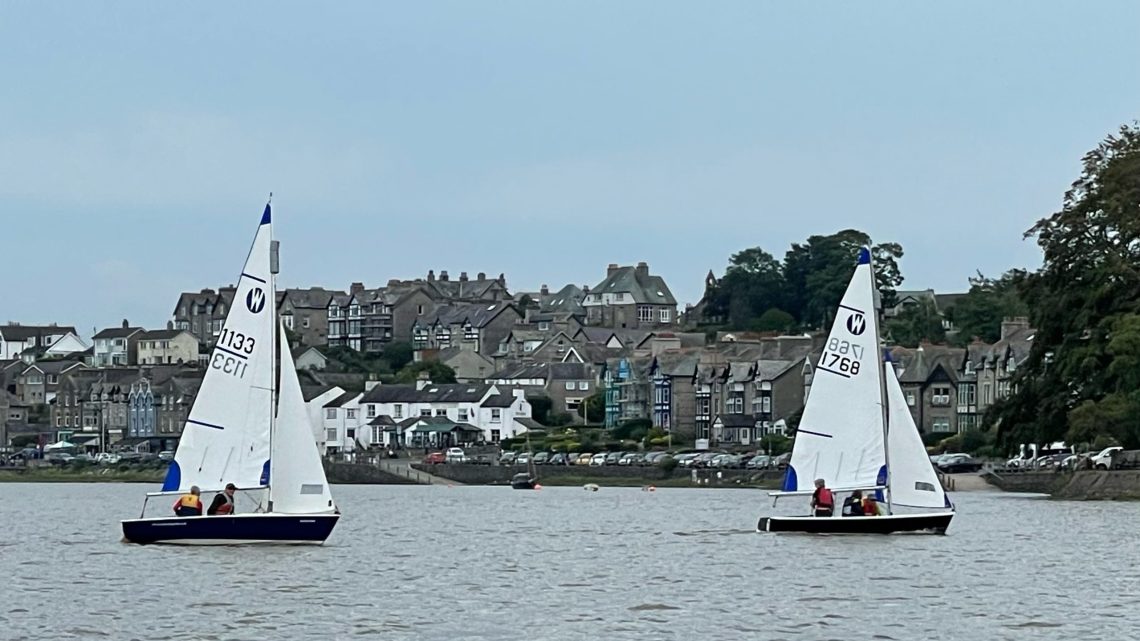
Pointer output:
x,y
235,348
842,356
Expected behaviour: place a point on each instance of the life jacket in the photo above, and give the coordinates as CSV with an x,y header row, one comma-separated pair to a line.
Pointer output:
x,y
870,507
188,505
825,500
852,507
227,507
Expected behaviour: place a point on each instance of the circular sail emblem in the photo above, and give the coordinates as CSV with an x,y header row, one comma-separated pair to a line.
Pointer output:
x,y
856,324
255,301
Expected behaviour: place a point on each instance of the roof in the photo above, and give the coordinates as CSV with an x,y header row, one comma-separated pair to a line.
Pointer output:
x,y
24,332
499,400
677,363
342,399
768,370
311,298
477,314
736,420
383,420
119,332
529,423
162,334
920,363
643,287
309,392
441,424
431,393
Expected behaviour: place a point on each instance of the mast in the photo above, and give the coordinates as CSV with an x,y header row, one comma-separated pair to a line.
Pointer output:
x,y
883,364
274,381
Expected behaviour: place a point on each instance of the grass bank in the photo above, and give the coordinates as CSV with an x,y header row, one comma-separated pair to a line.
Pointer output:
x,y
90,475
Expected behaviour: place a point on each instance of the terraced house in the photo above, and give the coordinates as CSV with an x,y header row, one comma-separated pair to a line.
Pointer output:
x,y
630,297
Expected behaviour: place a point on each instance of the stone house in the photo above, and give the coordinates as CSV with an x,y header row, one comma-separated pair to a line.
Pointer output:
x,y
928,376
477,327
305,312
38,383
368,319
567,385
203,313
630,297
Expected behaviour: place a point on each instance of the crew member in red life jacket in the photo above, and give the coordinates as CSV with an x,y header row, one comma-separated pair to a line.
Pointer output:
x,y
822,501
223,503
189,504
870,505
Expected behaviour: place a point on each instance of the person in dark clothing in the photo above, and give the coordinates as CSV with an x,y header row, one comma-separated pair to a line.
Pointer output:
x,y
853,505
223,503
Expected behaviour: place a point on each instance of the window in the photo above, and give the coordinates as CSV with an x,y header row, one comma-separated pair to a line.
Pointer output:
x,y
543,326
398,411
441,412
496,415
910,398
969,367
619,296
52,379
703,405
494,436
666,315
463,415
1010,366
645,314
287,321
987,394
350,414
334,312
330,435
376,434
305,322
330,412
425,412
583,385
351,434
569,385
371,411
941,396
940,425
967,394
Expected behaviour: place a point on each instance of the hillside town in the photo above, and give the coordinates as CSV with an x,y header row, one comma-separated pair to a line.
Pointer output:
x,y
623,342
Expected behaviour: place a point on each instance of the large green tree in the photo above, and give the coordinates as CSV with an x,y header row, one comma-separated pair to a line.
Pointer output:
x,y
437,372
1082,377
752,284
917,323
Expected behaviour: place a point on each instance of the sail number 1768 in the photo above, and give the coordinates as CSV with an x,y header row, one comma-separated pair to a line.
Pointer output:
x,y
842,356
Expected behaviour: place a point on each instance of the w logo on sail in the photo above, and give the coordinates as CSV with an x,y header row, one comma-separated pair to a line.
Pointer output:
x,y
856,324
255,300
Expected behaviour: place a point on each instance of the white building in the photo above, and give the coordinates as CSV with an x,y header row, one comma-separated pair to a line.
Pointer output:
x,y
315,400
15,338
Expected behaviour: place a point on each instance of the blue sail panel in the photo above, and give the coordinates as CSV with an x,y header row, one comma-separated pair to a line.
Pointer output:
x,y
265,473
173,477
790,481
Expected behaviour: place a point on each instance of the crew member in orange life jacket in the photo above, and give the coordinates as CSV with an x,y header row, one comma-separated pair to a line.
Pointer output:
x,y
189,504
223,503
822,501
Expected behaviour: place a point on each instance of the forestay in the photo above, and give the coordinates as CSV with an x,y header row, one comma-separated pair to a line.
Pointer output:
x,y
840,436
226,437
299,483
913,480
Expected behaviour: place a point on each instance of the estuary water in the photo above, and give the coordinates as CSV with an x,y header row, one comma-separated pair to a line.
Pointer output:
x,y
438,562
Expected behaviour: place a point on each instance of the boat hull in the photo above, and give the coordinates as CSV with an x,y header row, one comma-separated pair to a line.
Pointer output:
x,y
238,529
522,485
917,523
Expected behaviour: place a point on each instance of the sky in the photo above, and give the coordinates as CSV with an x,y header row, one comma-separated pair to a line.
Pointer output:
x,y
544,140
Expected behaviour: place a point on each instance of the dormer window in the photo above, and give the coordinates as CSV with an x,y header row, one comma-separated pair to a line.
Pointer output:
x,y
1010,366
969,367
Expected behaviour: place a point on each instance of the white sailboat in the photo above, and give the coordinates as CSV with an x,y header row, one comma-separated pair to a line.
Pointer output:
x,y
249,427
856,432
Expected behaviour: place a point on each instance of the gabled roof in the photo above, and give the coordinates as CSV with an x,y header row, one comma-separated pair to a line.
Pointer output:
x,y
342,399
529,423
920,363
769,370
309,392
25,332
119,332
162,334
432,393
477,314
736,420
643,287
311,298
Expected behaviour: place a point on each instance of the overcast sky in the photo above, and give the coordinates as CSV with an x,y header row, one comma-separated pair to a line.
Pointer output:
x,y
138,141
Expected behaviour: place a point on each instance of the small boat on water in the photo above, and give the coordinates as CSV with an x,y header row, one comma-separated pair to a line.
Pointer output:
x,y
527,480
248,426
857,434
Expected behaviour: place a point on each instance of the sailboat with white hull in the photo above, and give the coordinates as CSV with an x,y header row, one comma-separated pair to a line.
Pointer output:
x,y
856,432
248,426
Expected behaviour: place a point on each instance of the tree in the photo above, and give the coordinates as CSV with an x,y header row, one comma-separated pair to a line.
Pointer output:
x,y
1080,379
752,284
437,372
774,320
917,323
398,355
593,409
979,313
817,273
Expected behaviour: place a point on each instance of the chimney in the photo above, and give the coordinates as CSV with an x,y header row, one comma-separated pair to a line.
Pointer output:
x,y
431,275
206,291
169,325
392,282
443,275
502,279
642,269
463,277
125,324
613,267
356,288
482,276
1011,325
544,290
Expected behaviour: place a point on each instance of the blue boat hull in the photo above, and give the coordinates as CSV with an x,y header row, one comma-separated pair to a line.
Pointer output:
x,y
239,529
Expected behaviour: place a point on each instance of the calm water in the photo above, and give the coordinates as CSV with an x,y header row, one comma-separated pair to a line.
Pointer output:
x,y
492,563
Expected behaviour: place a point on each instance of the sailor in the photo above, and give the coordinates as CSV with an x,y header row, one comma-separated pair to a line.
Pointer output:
x,y
223,503
822,501
853,505
870,505
189,504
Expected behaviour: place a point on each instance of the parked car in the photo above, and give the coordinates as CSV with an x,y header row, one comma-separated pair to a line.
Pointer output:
x,y
166,455
480,459
759,462
781,461
83,458
629,458
572,458
523,458
958,463
507,458
455,455
613,457
58,458
686,460
435,458
653,458
584,458
541,458
598,459
1103,459
106,458
557,458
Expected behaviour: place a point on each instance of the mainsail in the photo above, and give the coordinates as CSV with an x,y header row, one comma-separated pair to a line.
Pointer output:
x,y
299,483
226,436
840,436
913,481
